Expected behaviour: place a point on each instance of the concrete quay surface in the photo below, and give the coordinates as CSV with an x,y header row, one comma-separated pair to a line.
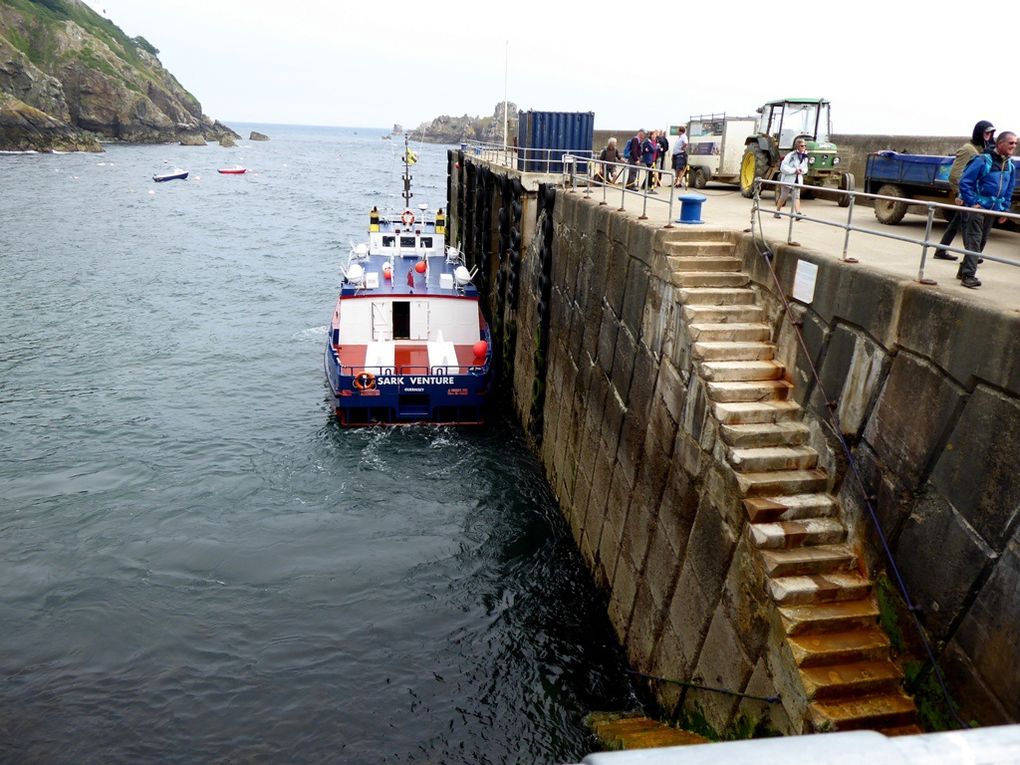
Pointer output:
x,y
725,208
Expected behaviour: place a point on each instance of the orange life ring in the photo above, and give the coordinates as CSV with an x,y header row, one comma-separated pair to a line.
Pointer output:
x,y
407,218
364,381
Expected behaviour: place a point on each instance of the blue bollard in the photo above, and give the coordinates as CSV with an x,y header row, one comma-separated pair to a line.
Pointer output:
x,y
690,208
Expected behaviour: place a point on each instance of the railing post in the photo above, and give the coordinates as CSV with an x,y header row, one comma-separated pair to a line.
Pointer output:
x,y
672,194
924,247
849,224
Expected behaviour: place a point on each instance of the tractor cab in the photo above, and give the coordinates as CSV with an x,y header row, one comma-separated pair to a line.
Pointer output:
x,y
784,121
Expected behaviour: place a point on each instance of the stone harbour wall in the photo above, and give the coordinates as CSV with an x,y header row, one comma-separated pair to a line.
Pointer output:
x,y
594,346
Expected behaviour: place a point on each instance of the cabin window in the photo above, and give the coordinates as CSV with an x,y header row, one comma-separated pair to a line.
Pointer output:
x,y
426,242
407,241
401,320
389,241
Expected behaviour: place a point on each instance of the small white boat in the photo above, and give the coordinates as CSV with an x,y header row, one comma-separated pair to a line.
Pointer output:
x,y
176,175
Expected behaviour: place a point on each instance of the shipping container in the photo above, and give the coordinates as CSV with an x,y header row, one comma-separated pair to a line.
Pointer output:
x,y
544,137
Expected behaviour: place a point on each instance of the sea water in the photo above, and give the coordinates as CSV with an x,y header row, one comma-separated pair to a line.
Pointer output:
x,y
196,563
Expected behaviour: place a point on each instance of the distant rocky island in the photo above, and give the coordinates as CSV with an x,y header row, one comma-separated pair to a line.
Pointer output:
x,y
448,129
70,78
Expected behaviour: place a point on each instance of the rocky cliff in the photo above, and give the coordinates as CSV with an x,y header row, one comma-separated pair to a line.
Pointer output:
x,y
446,129
69,76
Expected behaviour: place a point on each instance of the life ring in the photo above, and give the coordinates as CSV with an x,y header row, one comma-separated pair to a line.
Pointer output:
x,y
364,381
407,218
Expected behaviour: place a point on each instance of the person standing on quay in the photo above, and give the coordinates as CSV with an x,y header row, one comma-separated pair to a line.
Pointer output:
x,y
680,156
986,184
980,140
792,170
632,151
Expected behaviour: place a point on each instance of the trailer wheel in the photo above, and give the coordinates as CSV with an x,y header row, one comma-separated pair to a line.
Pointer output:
x,y
752,166
846,183
699,177
887,211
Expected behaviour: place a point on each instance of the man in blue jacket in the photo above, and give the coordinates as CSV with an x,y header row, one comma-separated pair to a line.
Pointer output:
x,y
986,184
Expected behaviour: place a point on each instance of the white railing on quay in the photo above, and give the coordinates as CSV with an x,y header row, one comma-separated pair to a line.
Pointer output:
x,y
925,243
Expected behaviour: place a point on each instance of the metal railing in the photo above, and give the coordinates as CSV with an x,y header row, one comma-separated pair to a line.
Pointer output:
x,y
526,159
925,243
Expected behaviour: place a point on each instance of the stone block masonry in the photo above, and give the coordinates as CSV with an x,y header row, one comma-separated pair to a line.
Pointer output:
x,y
684,439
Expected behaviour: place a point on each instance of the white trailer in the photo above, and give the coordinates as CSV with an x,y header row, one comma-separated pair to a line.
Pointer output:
x,y
716,147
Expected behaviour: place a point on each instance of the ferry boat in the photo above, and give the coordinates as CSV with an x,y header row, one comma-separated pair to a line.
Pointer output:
x,y
408,342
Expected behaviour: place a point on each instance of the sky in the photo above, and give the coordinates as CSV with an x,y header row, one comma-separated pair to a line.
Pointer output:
x,y
895,68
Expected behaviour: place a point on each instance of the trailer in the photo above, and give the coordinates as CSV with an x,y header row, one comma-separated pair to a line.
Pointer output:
x,y
917,177
716,147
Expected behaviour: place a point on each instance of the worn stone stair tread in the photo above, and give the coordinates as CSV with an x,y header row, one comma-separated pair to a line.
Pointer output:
x,y
787,534
723,350
698,261
816,559
755,412
730,332
819,588
747,436
741,371
682,247
813,649
872,711
722,314
841,616
781,482
709,278
789,507
717,296
762,458
851,678
730,391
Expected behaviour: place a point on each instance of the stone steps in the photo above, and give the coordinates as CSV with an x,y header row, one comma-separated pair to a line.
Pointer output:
x,y
717,296
789,508
704,262
828,588
810,560
829,617
839,647
781,482
733,351
763,458
877,711
787,534
755,412
716,248
748,391
741,371
850,679
765,434
730,333
824,603
709,279
722,314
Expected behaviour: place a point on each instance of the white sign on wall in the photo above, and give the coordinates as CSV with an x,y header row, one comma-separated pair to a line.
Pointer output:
x,y
804,281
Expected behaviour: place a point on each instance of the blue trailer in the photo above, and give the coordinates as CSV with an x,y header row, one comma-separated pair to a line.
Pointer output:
x,y
921,177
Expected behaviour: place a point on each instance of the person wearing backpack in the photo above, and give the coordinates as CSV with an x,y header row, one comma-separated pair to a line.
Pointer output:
x,y
632,153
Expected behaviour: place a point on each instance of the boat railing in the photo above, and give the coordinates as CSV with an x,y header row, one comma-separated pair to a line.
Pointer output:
x,y
352,370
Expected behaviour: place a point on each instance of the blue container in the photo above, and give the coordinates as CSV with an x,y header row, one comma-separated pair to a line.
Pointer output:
x,y
544,137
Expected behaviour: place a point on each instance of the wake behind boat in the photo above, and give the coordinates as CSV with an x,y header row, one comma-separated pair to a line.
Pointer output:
x,y
407,342
176,175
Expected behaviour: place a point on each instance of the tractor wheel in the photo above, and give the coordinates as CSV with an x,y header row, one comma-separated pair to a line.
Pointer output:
x,y
754,165
699,177
887,211
846,183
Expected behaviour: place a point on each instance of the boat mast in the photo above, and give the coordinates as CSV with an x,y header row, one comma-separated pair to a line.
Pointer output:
x,y
407,174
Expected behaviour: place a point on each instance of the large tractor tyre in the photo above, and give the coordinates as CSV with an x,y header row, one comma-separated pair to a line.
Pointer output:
x,y
888,211
754,165
699,177
846,183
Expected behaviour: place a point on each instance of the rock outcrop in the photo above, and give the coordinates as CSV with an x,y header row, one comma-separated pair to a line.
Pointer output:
x,y
446,129
257,136
67,71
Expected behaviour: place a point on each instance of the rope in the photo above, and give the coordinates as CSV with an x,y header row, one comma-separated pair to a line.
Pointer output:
x,y
687,684
834,425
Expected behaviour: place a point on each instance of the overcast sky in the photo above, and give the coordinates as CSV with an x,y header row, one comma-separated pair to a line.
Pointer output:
x,y
902,68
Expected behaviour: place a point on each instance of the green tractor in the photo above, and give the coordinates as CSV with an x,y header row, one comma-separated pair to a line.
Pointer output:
x,y
780,124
